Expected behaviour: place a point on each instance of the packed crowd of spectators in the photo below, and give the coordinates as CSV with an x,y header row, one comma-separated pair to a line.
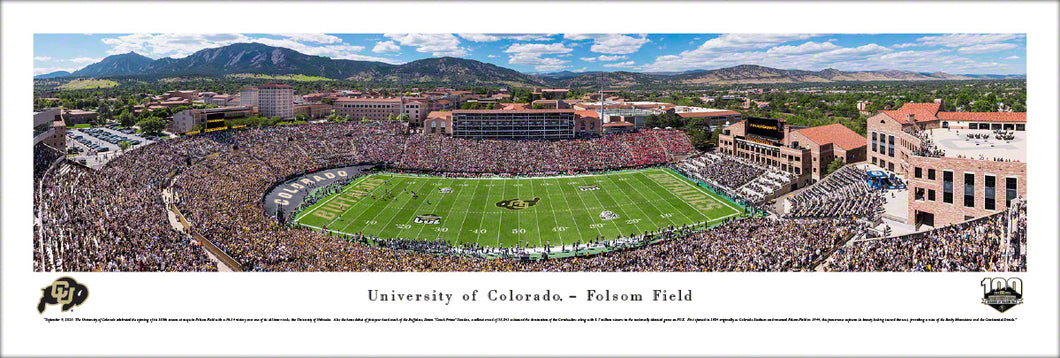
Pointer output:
x,y
993,243
673,142
844,193
459,155
43,157
725,170
115,218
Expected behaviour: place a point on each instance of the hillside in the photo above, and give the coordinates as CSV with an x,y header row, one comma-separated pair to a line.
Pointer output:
x,y
254,59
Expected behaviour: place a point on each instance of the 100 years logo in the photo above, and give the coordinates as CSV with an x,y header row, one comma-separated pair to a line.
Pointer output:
x,y
1002,293
64,291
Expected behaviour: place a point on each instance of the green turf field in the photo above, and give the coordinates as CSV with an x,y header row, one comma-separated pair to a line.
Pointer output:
x,y
532,211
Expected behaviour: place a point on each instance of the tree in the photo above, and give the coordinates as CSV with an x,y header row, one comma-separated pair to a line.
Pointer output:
x,y
153,125
124,145
126,119
835,165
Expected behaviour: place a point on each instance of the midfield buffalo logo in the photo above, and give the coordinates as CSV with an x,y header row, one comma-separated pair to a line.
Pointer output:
x,y
64,291
429,219
517,204
445,190
588,187
608,215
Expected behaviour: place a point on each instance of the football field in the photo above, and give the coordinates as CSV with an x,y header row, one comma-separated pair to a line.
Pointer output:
x,y
536,212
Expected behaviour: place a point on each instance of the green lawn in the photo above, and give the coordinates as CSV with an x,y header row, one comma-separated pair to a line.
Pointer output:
x,y
83,125
552,211
87,84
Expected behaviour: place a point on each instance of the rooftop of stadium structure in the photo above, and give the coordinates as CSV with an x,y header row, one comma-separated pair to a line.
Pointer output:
x,y
955,143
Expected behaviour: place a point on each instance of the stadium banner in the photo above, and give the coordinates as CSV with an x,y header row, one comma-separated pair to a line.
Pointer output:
x,y
577,263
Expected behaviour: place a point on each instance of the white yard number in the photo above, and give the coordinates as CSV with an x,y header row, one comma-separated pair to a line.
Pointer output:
x,y
518,231
559,228
404,226
478,231
596,226
546,184
632,221
370,222
517,185
441,229
666,215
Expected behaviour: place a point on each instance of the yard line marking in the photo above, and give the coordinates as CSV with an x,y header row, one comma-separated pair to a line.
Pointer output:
x,y
650,185
630,199
470,201
586,209
343,214
681,200
482,217
596,195
571,212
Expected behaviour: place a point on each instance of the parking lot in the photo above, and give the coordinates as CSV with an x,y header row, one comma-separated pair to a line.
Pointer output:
x,y
96,146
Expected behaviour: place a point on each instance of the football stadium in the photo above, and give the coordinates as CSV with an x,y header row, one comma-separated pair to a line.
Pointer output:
x,y
518,212
374,195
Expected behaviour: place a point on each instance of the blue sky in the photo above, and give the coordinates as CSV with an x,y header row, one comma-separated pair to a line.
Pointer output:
x,y
951,53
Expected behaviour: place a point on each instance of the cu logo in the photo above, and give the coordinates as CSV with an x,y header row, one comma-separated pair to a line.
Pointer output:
x,y
65,292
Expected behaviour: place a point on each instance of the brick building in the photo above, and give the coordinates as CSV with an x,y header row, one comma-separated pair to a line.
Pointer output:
x,y
803,152
957,165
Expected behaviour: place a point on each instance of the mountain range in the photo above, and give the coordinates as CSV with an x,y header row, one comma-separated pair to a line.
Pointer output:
x,y
254,58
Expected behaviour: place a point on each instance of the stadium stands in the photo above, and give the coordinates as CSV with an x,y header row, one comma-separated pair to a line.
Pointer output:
x,y
844,193
978,245
115,219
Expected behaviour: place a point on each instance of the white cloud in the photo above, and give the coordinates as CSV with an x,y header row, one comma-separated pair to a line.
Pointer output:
x,y
611,58
808,47
611,43
43,70
530,54
539,49
620,64
726,50
386,46
480,37
171,45
986,48
498,37
737,42
587,59
315,38
491,56
181,45
84,60
435,44
1012,57
962,40
42,58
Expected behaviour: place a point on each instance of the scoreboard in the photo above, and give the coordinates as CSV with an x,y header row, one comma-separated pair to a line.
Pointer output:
x,y
766,127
